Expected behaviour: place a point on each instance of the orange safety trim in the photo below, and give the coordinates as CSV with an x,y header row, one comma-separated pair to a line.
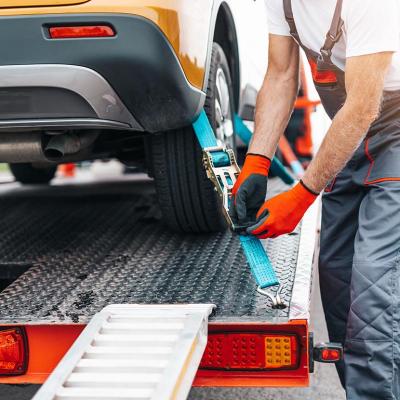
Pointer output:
x,y
286,149
67,170
304,144
330,187
371,166
304,102
327,77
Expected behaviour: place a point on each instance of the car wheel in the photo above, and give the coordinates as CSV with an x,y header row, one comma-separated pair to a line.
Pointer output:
x,y
186,196
32,175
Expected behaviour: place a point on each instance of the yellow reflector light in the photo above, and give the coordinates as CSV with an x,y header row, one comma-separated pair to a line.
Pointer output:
x,y
280,351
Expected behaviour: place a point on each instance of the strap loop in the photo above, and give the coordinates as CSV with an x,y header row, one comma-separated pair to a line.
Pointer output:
x,y
334,34
332,37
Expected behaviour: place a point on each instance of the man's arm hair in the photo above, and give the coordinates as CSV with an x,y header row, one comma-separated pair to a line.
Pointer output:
x,y
277,96
365,77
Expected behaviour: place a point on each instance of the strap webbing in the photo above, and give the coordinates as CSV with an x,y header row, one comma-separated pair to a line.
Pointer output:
x,y
202,124
334,34
259,262
277,168
332,37
287,6
253,249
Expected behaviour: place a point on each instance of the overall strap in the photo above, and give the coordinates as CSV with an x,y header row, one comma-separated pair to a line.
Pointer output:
x,y
287,5
334,34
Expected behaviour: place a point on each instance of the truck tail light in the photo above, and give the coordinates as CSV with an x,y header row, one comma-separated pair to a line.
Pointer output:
x,y
251,351
13,351
328,352
322,77
84,31
330,355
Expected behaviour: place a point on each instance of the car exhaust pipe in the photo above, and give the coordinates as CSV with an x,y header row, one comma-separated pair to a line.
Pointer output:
x,y
61,145
36,147
21,147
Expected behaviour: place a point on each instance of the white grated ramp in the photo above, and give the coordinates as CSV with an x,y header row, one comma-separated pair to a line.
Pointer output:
x,y
138,352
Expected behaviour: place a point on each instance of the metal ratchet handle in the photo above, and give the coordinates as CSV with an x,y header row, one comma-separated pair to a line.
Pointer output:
x,y
277,302
223,177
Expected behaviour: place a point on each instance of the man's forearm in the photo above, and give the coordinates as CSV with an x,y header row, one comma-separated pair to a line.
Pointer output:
x,y
274,107
343,138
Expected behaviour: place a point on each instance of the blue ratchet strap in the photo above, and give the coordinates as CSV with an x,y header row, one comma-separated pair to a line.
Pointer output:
x,y
254,251
259,262
202,129
297,168
277,167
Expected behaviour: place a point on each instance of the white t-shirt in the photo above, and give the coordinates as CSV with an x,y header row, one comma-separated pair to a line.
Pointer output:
x,y
370,26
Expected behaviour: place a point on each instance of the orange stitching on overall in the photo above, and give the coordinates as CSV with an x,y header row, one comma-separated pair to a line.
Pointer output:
x,y
371,166
329,188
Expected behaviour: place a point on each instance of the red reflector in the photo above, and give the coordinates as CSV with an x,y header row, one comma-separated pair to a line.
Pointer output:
x,y
251,351
328,352
322,77
331,355
12,352
71,32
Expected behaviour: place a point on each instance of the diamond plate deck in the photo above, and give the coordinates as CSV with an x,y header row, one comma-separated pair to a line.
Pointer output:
x,y
90,247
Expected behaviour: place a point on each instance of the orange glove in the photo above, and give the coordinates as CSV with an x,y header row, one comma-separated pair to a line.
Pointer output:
x,y
250,189
282,213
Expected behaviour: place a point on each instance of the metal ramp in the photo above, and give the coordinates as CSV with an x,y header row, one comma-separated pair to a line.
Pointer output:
x,y
138,352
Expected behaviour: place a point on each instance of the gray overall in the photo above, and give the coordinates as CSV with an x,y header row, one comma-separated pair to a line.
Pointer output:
x,y
360,241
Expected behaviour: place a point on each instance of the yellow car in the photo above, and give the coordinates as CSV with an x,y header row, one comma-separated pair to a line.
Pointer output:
x,y
92,79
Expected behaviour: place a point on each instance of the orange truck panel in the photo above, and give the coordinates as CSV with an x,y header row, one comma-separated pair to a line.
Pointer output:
x,y
47,344
186,24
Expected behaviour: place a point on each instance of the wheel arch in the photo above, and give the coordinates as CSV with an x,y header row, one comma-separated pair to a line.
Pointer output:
x,y
225,34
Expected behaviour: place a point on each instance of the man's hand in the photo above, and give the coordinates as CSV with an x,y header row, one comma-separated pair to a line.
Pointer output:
x,y
250,189
282,213
274,107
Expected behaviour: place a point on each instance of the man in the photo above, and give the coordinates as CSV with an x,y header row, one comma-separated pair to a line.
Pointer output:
x,y
356,68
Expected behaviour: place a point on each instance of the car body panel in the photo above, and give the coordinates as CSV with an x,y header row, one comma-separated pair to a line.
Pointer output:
x,y
145,74
38,3
185,24
188,27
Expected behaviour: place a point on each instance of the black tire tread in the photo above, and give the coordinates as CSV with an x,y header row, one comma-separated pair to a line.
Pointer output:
x,y
29,175
187,197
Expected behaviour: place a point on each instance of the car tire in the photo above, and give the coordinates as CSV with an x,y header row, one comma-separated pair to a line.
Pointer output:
x,y
31,175
186,196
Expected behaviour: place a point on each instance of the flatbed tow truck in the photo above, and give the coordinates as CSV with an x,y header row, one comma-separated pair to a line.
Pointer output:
x,y
67,254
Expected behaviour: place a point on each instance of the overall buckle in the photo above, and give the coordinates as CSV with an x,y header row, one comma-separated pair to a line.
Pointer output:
x,y
338,34
223,177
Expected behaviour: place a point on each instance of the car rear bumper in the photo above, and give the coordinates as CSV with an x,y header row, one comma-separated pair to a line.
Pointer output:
x,y
131,81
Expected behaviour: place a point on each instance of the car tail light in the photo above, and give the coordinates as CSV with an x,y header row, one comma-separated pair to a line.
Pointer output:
x,y
86,31
322,77
251,351
13,351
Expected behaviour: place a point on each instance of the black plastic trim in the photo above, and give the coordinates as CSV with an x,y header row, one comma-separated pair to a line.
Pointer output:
x,y
42,102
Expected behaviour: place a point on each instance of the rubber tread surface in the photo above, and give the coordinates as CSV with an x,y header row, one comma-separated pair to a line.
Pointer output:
x,y
89,249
